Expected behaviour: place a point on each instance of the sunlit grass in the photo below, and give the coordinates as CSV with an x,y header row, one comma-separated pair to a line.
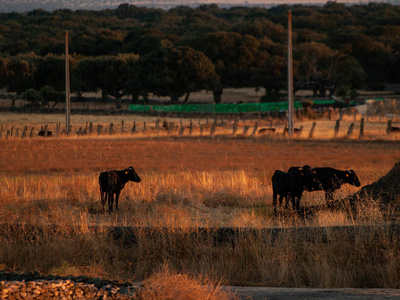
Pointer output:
x,y
187,184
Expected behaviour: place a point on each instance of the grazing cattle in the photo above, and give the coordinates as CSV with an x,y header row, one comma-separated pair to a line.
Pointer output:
x,y
266,130
45,133
295,130
329,180
291,185
394,129
112,182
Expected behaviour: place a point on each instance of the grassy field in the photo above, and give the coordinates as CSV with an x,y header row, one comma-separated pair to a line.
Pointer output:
x,y
187,183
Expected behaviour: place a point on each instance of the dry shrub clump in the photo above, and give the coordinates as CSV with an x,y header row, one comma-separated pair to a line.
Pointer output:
x,y
386,190
170,285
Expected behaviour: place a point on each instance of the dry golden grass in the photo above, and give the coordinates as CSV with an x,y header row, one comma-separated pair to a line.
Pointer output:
x,y
168,285
189,183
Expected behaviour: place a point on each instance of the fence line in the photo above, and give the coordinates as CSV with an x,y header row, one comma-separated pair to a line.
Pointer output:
x,y
218,127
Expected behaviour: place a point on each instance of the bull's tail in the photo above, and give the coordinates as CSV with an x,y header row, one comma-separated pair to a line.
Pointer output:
x,y
103,193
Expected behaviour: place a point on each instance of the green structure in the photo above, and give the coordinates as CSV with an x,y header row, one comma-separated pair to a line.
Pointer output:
x,y
227,108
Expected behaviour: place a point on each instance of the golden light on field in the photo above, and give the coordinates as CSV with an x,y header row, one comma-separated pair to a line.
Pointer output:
x,y
190,183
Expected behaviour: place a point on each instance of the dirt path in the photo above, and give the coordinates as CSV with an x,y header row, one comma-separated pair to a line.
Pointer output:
x,y
261,293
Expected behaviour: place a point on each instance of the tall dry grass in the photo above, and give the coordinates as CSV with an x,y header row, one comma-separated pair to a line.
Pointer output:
x,y
188,184
167,284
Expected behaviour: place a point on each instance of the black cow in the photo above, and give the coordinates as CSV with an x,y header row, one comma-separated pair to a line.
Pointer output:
x,y
45,133
112,182
291,185
329,180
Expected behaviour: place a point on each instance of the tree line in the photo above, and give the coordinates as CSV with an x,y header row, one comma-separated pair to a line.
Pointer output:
x,y
139,51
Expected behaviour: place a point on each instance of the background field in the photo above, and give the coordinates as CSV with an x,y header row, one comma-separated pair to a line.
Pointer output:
x,y
192,182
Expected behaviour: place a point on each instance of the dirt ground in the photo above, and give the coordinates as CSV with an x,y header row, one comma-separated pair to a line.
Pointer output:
x,y
262,293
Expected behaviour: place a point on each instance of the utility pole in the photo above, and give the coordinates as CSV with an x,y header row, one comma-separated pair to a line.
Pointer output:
x,y
67,86
290,77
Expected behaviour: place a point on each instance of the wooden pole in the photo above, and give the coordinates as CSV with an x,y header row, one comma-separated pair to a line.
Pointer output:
x,y
67,86
290,77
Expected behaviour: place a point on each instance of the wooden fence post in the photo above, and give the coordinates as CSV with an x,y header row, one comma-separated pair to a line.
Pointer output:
x,y
337,127
245,129
350,131
111,128
170,127
361,128
16,132
158,126
389,127
190,127
31,133
235,125
144,127
12,131
24,132
201,129
133,127
90,127
311,135
255,129
212,131
122,126
182,129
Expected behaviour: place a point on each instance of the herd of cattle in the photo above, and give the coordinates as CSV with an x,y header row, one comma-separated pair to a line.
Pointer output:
x,y
291,184
288,185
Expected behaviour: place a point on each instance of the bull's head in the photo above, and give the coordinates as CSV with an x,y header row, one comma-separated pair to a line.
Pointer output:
x,y
311,183
132,175
352,178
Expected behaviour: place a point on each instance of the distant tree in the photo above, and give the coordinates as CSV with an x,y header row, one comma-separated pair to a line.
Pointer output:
x,y
33,96
235,57
272,75
50,95
143,42
106,73
317,64
20,73
175,72
50,71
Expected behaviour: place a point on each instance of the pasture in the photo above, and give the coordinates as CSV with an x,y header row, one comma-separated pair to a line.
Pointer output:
x,y
187,183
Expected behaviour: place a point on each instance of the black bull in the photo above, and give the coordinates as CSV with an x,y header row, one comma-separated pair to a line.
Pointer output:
x,y
112,182
291,185
329,180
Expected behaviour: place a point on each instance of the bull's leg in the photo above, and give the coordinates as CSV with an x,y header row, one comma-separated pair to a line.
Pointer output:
x,y
110,201
116,200
288,198
103,197
274,198
296,197
297,203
